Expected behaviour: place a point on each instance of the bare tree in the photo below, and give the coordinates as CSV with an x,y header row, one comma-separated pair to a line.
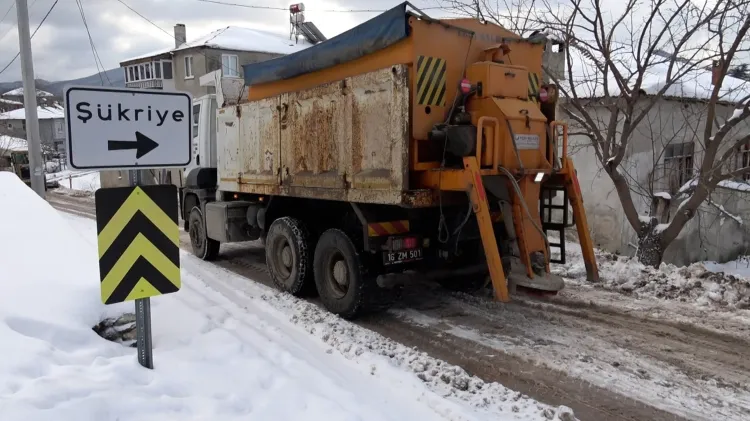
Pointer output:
x,y
622,61
514,15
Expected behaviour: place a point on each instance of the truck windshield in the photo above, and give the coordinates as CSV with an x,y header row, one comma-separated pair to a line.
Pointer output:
x,y
20,158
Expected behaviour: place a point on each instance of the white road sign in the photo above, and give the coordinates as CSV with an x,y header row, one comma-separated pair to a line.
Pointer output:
x,y
118,128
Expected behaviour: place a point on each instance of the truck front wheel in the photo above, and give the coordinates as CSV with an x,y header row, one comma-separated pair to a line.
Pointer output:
x,y
203,247
344,283
289,255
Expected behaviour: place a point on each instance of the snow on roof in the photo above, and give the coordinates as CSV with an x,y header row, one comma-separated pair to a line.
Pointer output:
x,y
12,144
247,39
147,55
238,39
19,92
7,101
43,113
694,83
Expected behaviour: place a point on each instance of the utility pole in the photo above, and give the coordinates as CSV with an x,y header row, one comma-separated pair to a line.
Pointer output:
x,y
29,99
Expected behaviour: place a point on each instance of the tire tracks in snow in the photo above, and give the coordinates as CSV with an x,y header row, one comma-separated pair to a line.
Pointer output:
x,y
509,344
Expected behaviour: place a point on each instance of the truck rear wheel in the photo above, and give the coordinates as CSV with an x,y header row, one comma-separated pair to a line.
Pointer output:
x,y
289,255
203,247
344,284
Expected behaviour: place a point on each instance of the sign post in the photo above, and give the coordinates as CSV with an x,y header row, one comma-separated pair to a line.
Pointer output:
x,y
138,233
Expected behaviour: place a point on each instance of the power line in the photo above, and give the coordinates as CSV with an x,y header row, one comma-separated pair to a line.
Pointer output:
x,y
32,35
93,47
286,9
172,35
12,4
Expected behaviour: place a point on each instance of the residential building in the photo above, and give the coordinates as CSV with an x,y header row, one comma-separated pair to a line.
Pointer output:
x,y
16,96
51,126
9,105
9,145
662,157
228,48
181,68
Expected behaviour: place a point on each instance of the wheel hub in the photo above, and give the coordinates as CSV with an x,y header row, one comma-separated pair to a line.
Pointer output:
x,y
286,256
340,273
196,235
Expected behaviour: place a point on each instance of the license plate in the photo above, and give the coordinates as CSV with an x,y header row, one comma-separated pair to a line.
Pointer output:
x,y
395,257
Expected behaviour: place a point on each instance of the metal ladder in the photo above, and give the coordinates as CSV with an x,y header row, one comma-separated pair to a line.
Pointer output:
x,y
546,207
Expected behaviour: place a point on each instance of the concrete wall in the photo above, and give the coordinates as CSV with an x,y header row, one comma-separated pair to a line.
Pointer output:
x,y
670,121
207,60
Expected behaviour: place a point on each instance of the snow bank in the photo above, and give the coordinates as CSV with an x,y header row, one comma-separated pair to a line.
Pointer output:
x,y
78,181
219,354
695,283
48,299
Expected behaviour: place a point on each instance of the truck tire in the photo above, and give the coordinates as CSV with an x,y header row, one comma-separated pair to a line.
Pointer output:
x,y
342,279
203,247
289,256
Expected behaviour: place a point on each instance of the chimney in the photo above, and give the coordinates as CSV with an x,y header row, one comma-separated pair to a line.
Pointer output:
x,y
180,35
716,71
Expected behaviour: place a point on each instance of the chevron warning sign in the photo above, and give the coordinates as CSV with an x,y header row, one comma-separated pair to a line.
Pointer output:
x,y
139,242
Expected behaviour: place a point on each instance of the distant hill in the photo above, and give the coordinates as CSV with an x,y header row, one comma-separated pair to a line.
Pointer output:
x,y
116,77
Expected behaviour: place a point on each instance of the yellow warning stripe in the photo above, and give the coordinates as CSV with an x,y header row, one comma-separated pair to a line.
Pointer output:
x,y
431,81
377,229
533,87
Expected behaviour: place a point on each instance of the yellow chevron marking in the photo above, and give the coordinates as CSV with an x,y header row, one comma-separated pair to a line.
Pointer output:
x,y
139,247
137,201
142,289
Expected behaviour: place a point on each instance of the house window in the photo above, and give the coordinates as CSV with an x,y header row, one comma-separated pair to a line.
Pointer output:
x,y
157,70
125,69
147,68
188,67
229,65
59,129
742,160
166,69
678,164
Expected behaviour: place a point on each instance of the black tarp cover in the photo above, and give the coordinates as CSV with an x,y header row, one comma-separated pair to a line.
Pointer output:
x,y
376,34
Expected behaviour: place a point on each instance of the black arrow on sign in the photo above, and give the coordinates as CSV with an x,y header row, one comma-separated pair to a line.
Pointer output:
x,y
142,144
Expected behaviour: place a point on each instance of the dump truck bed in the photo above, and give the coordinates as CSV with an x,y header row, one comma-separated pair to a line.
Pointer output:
x,y
348,119
345,140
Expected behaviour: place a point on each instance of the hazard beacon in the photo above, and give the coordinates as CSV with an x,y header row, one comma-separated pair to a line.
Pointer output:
x,y
407,145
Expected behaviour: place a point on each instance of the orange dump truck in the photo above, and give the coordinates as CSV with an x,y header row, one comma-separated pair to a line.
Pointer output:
x,y
404,146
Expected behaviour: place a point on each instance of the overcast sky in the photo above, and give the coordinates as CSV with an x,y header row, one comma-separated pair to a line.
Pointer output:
x,y
61,48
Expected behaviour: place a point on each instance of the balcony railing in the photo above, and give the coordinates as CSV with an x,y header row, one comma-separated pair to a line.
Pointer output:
x,y
146,84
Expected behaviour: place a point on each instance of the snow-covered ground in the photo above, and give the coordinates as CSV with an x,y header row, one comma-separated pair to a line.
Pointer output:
x,y
704,284
80,181
220,354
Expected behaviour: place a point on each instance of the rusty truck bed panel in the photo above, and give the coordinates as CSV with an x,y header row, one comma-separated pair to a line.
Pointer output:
x,y
346,140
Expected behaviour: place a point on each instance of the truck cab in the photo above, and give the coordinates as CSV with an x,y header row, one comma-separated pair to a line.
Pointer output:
x,y
201,173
